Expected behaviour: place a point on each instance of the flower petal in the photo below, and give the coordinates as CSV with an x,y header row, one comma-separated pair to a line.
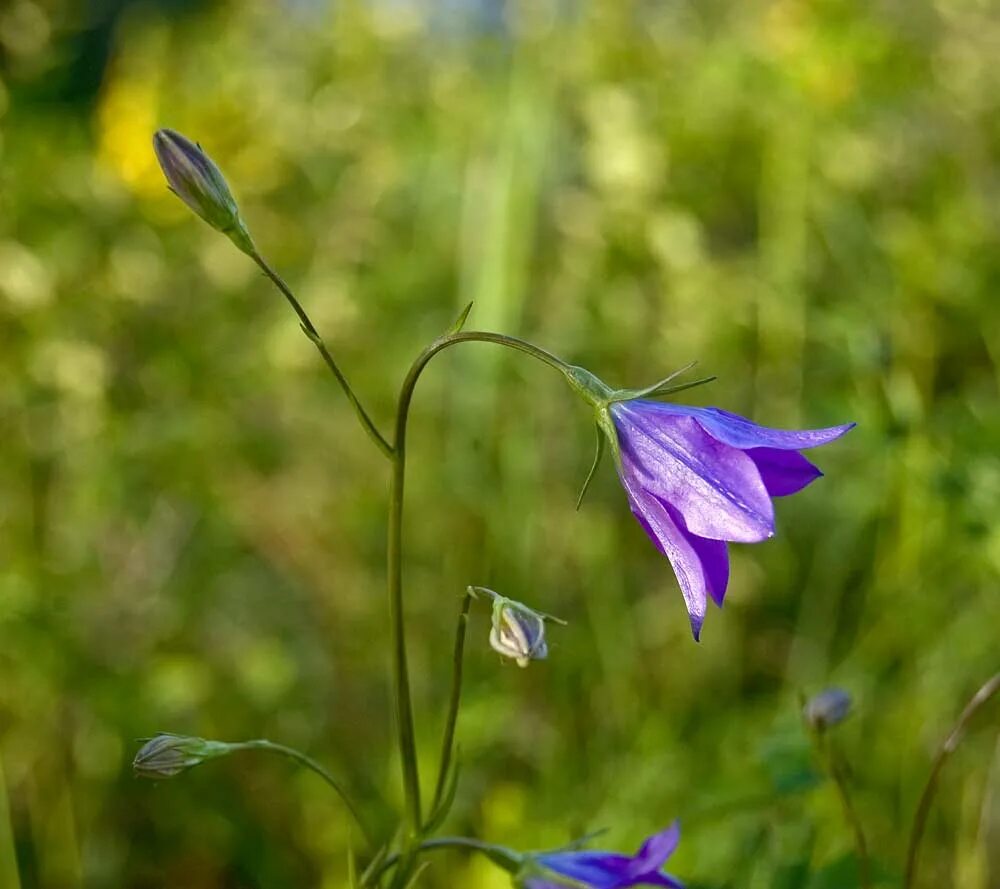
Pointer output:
x,y
656,850
783,472
601,870
742,433
714,556
715,487
739,432
675,545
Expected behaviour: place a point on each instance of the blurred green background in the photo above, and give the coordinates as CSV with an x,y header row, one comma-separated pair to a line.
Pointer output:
x,y
803,196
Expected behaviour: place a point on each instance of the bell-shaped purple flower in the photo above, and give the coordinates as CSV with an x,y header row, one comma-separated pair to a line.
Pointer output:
x,y
699,477
588,869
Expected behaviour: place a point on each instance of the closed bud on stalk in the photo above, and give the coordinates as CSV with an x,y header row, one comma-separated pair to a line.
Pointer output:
x,y
196,180
829,707
517,631
168,755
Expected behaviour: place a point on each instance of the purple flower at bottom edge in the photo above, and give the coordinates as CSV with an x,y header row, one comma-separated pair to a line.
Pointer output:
x,y
607,870
698,477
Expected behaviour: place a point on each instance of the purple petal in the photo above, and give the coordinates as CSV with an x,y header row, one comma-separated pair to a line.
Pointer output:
x,y
714,556
715,487
739,432
601,870
657,879
656,850
675,545
742,433
783,472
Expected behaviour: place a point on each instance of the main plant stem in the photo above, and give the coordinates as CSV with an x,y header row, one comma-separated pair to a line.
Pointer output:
x,y
394,552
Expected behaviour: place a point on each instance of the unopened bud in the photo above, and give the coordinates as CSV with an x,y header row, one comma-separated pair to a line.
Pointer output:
x,y
196,180
168,755
829,707
517,631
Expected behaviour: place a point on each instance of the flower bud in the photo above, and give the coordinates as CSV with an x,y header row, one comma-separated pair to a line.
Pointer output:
x,y
517,632
168,755
829,707
197,181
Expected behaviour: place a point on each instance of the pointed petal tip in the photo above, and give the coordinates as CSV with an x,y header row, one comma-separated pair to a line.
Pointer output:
x,y
839,431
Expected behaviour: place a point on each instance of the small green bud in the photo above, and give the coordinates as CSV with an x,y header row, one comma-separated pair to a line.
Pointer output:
x,y
196,180
517,631
168,755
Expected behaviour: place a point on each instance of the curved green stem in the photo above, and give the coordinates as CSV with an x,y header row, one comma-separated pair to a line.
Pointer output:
x,y
310,331
312,765
394,548
978,700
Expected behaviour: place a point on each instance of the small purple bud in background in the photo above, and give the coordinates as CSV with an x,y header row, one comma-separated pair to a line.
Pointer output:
x,y
168,755
517,631
829,707
197,181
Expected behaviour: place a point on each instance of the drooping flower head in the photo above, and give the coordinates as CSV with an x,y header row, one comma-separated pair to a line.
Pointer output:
x,y
517,631
589,869
697,478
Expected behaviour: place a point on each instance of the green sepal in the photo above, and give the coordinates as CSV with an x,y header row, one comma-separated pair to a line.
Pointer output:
x,y
663,387
598,453
459,323
239,234
607,426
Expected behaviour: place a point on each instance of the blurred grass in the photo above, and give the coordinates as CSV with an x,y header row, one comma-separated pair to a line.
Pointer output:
x,y
800,195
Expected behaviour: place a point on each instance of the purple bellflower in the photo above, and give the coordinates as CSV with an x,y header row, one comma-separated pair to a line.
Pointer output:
x,y
697,478
586,869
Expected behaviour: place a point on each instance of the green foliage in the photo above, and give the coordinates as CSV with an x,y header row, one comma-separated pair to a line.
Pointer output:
x,y
801,196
